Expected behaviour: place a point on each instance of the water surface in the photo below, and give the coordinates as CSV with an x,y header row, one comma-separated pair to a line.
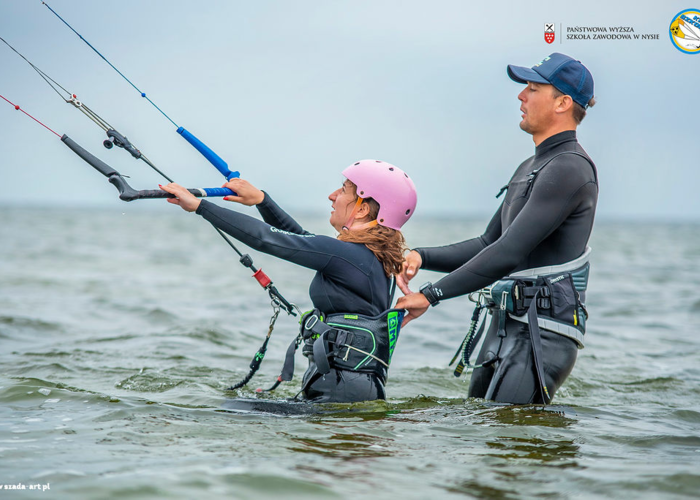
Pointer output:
x,y
121,329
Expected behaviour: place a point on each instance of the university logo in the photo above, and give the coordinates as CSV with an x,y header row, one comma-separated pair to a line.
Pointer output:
x,y
549,32
685,31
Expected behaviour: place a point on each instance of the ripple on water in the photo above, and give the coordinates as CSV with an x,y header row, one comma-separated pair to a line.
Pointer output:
x,y
654,384
30,393
148,382
689,416
19,327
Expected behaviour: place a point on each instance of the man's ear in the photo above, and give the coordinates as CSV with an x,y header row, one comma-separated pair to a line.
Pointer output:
x,y
564,103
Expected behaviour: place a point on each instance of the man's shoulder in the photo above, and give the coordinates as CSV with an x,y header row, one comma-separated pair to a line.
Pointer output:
x,y
573,165
569,150
576,157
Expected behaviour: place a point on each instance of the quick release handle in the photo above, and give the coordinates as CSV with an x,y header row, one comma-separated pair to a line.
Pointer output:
x,y
262,278
289,308
210,155
265,282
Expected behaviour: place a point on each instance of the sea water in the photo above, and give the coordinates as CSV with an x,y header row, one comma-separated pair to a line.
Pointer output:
x,y
121,328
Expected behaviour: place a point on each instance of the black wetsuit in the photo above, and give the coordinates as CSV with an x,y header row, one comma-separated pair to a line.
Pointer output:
x,y
349,279
544,220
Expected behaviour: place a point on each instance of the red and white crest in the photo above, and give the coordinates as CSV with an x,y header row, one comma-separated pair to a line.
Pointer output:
x,y
549,32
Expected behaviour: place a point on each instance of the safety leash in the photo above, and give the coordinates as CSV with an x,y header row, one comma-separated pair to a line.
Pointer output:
x,y
257,359
471,339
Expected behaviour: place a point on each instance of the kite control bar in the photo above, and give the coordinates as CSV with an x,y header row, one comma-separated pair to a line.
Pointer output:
x,y
126,192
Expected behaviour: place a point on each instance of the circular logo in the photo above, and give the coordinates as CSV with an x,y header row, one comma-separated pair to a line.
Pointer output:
x,y
685,31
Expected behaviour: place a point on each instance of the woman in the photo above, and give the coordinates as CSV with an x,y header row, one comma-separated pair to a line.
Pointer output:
x,y
350,335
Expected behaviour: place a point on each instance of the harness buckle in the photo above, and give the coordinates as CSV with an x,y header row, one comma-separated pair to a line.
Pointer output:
x,y
309,324
341,339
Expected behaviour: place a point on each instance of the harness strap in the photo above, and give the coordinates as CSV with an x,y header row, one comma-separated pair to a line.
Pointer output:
x,y
554,326
392,289
536,342
288,366
321,353
310,381
532,175
502,315
311,325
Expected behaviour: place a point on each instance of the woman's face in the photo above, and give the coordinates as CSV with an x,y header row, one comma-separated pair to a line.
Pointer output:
x,y
344,200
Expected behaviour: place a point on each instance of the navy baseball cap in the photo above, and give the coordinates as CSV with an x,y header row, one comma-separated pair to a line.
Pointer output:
x,y
566,74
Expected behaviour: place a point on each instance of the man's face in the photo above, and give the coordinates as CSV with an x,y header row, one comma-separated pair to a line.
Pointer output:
x,y
538,104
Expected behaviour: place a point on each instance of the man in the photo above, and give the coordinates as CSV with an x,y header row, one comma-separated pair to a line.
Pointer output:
x,y
537,240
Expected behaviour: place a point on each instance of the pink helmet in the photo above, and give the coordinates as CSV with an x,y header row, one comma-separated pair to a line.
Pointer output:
x,y
389,186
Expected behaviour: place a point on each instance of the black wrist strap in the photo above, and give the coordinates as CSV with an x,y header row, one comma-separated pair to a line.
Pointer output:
x,y
429,292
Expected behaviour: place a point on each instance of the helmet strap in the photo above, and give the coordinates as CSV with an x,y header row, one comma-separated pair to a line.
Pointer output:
x,y
348,225
365,225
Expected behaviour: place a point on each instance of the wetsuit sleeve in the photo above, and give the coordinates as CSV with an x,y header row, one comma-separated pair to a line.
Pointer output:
x,y
449,257
276,217
556,193
308,250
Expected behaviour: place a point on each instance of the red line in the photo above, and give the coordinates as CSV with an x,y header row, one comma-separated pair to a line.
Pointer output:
x,y
30,116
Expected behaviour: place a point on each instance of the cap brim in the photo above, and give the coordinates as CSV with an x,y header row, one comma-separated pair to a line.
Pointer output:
x,y
523,75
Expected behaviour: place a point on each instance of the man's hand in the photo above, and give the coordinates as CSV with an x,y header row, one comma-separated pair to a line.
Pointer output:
x,y
248,194
415,303
411,265
183,197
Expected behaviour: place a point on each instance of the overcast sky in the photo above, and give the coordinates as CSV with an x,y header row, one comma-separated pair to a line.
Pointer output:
x,y
291,92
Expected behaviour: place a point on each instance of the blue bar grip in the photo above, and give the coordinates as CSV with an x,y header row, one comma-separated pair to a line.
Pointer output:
x,y
219,192
210,155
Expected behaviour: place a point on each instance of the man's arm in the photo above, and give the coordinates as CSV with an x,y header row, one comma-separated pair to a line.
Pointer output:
x,y
556,193
450,257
